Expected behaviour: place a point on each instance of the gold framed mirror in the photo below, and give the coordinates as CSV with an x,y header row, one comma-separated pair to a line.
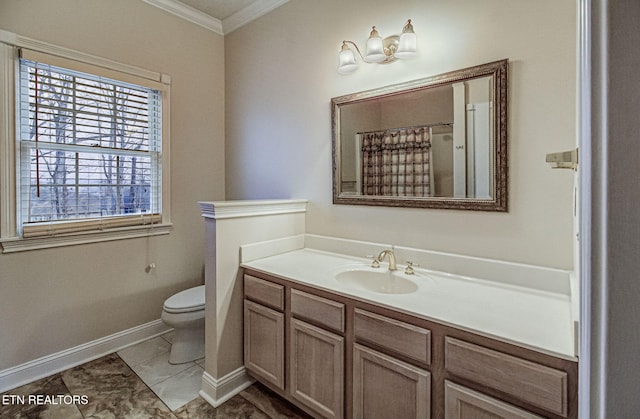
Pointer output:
x,y
436,142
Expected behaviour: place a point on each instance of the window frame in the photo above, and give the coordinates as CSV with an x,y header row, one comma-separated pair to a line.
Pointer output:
x,y
11,238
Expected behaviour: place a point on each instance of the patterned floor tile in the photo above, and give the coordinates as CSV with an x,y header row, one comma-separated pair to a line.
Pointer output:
x,y
274,406
197,408
238,407
113,391
109,388
45,398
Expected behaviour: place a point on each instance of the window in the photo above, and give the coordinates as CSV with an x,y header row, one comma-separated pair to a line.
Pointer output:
x,y
91,152
89,149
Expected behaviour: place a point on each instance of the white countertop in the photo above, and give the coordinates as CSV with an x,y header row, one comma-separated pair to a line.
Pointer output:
x,y
525,316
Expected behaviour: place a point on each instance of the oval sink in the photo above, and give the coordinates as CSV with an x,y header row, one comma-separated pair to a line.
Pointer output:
x,y
384,282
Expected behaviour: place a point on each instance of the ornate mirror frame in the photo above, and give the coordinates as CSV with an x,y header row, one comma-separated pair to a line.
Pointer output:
x,y
498,199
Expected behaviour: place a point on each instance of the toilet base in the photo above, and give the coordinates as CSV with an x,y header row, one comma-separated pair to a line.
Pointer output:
x,y
187,345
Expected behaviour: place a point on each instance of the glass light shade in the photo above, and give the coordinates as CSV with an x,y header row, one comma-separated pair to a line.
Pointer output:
x,y
375,49
407,43
407,46
347,61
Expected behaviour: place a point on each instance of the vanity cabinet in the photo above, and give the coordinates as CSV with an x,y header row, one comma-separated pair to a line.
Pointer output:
x,y
393,336
316,355
264,330
464,403
316,368
527,381
336,356
385,387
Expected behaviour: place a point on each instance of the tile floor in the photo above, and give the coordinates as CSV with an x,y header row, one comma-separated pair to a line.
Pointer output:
x,y
136,382
175,385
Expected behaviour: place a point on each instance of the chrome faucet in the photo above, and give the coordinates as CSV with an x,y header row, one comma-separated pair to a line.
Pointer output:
x,y
392,259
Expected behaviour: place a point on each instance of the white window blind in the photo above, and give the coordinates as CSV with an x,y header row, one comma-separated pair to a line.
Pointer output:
x,y
90,151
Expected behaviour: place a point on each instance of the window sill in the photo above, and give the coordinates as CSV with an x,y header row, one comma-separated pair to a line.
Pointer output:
x,y
19,244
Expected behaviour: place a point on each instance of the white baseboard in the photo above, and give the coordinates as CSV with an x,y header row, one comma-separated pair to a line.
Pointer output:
x,y
60,361
217,391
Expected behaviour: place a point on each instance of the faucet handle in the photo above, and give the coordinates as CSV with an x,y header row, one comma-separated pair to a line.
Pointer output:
x,y
409,269
375,263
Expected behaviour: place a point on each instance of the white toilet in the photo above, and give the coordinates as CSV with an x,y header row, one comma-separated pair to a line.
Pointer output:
x,y
184,312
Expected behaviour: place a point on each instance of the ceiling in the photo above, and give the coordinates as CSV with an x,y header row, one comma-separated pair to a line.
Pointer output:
x,y
220,16
219,9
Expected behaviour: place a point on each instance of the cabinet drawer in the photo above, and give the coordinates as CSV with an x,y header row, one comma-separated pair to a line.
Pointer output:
x,y
461,402
394,335
532,383
265,292
318,310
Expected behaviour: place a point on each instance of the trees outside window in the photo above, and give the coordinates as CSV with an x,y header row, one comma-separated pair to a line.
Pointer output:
x,y
90,146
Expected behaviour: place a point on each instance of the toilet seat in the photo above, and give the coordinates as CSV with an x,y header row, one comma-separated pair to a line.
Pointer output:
x,y
186,301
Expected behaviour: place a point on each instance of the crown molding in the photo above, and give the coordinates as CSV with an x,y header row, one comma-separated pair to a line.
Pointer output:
x,y
224,27
188,13
249,13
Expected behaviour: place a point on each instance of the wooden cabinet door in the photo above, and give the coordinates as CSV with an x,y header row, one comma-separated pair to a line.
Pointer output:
x,y
264,343
316,369
464,403
385,387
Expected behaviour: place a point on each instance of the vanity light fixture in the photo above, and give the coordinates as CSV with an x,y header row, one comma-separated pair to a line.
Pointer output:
x,y
382,51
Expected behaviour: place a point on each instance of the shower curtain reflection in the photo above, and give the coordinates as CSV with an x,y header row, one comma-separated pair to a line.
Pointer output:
x,y
397,162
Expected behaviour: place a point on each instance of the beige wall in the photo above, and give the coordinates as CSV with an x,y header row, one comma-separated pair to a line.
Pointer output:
x,y
281,75
280,78
55,299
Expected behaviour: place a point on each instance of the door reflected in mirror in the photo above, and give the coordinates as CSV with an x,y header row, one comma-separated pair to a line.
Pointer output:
x,y
438,142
